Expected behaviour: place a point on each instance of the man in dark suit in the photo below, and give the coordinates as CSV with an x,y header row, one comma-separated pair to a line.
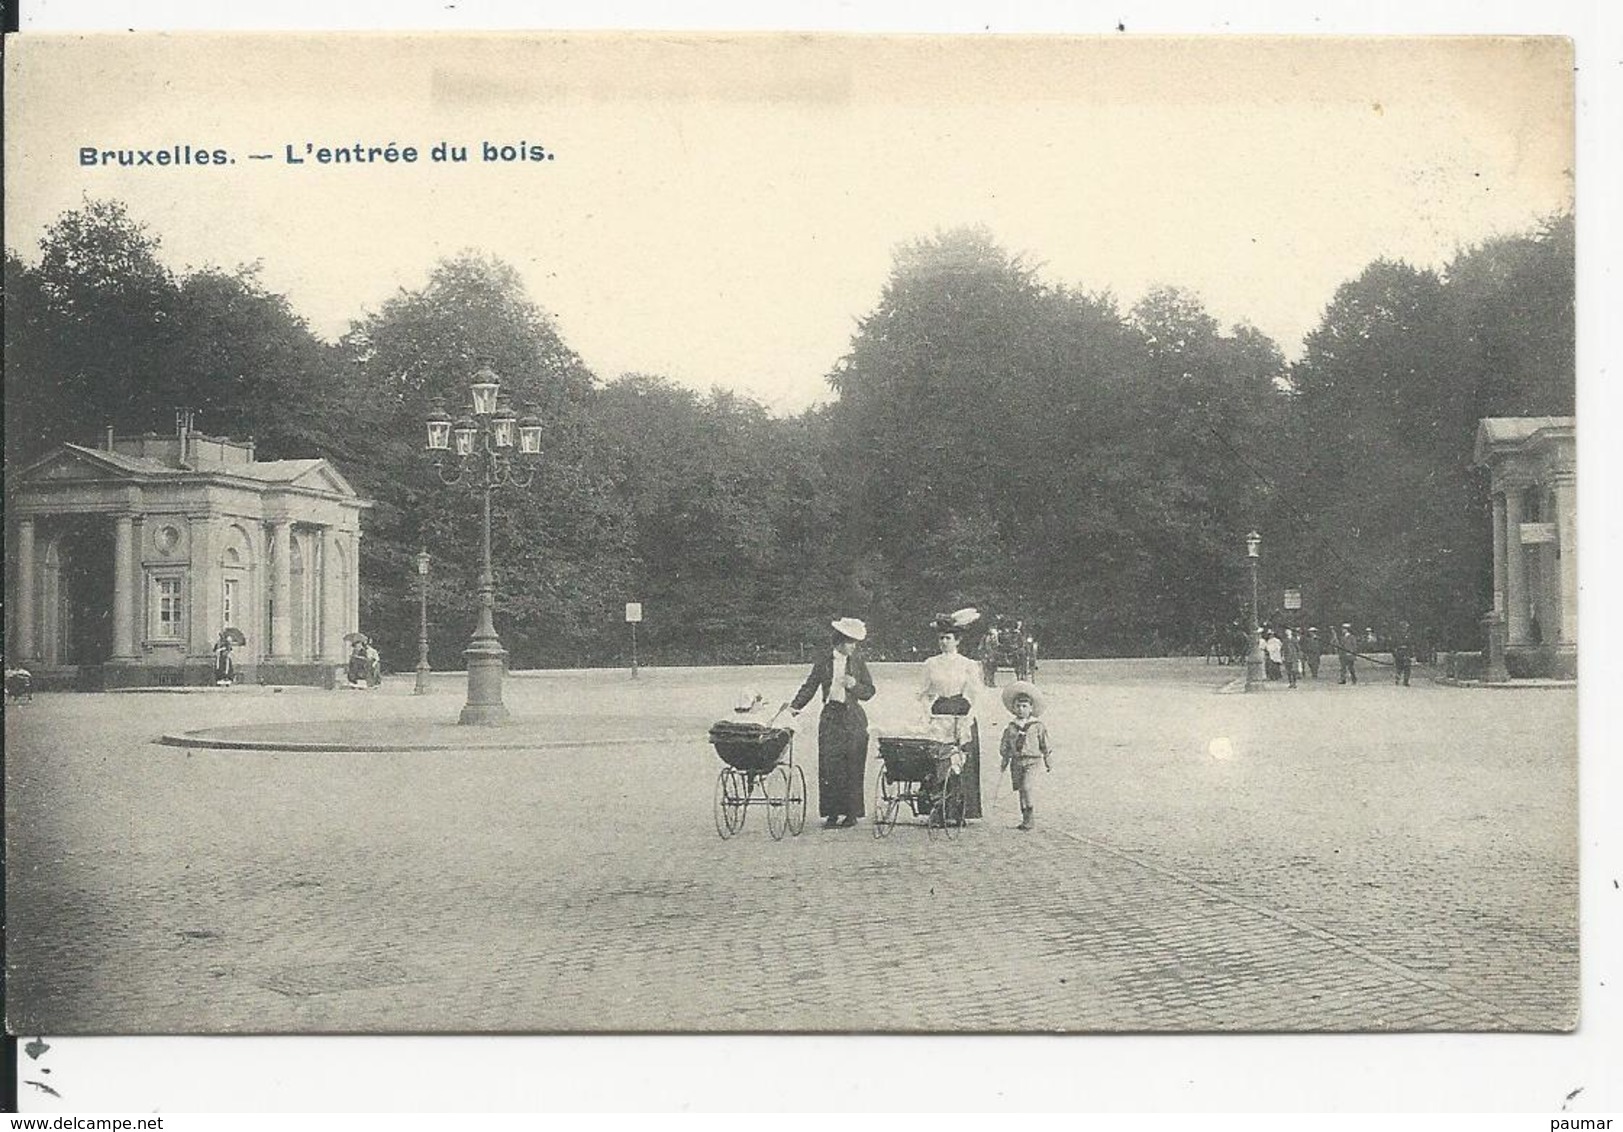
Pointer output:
x,y
1347,654
1312,650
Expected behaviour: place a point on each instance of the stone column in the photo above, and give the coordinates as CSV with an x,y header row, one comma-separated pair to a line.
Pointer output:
x,y
1515,570
204,599
332,599
1566,518
27,643
282,591
354,623
124,603
1499,545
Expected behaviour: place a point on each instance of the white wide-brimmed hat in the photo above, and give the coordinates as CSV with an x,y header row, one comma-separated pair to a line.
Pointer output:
x,y
1024,688
849,627
955,622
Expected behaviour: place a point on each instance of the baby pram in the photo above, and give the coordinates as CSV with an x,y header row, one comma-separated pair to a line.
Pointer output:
x,y
922,773
760,770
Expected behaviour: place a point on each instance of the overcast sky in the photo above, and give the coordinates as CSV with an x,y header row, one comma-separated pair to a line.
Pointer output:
x,y
723,212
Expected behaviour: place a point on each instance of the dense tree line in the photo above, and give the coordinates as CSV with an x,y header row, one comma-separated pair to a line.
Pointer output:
x,y
994,438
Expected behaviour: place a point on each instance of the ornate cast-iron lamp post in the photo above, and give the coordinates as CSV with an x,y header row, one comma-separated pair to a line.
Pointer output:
x,y
422,624
1255,681
479,450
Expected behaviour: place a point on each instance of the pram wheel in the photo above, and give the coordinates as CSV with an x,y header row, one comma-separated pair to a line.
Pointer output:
x,y
795,808
886,801
775,785
953,808
947,812
729,803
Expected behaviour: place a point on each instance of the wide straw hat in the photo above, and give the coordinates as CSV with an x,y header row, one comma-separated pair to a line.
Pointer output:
x,y
1024,688
850,627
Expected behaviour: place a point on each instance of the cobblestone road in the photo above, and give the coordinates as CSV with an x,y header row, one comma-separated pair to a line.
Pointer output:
x,y
1325,859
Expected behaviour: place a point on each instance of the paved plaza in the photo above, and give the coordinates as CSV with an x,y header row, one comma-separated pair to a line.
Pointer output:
x,y
1329,858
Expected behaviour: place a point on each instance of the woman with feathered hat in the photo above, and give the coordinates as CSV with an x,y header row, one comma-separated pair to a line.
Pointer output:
x,y
951,681
842,727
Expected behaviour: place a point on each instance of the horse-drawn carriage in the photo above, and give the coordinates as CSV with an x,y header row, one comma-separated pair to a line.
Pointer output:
x,y
1008,644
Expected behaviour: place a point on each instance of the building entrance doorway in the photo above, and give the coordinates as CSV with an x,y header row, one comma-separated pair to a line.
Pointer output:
x,y
84,577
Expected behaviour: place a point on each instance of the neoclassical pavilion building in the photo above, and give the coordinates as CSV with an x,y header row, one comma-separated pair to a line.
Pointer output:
x,y
126,560
1532,465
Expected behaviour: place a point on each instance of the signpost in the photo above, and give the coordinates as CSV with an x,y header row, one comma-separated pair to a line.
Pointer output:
x,y
1293,599
633,615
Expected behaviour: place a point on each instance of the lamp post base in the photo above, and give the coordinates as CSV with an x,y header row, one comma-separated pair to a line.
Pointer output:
x,y
484,715
421,687
1256,679
487,662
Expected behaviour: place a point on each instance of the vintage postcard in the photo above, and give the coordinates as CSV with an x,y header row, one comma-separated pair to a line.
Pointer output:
x,y
646,533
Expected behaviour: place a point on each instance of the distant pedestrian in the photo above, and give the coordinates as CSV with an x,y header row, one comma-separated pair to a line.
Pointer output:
x,y
374,667
1402,656
1312,650
1274,655
1291,654
1347,654
1025,743
989,651
357,670
225,667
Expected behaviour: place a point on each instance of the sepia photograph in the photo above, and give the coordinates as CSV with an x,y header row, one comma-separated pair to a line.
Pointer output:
x,y
649,533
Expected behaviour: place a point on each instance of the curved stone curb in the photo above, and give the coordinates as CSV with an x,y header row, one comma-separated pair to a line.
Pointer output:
x,y
1512,685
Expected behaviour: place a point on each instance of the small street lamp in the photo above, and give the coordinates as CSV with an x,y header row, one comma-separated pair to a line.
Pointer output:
x,y
1255,680
422,624
478,450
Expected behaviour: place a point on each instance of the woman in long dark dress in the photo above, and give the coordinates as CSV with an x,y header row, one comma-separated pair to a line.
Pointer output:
x,y
951,682
842,727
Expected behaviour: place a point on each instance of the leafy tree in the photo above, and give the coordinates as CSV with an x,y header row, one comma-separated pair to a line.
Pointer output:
x,y
1393,517
558,546
1026,443
92,333
996,439
100,331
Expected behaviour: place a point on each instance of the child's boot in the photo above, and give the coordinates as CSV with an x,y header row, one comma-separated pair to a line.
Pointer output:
x,y
1025,818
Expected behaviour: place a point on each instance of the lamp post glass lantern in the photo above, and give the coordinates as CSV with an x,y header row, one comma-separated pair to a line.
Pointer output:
x,y
478,451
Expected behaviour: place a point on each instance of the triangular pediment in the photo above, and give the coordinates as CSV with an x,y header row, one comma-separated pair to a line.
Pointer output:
x,y
71,463
324,477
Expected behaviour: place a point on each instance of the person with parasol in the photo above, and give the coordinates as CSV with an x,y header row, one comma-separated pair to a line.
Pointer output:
x,y
225,665
842,727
